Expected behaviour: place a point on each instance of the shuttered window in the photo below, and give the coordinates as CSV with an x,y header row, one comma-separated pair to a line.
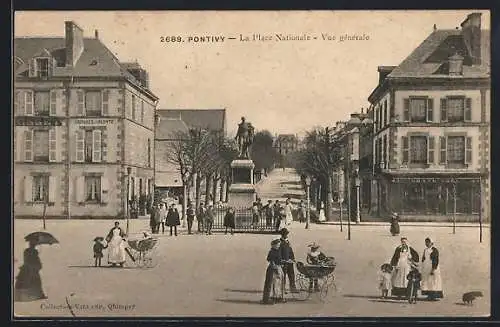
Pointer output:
x,y
53,103
456,149
92,188
442,149
96,145
80,109
430,149
40,188
28,103
418,149
468,150
105,102
405,149
80,145
52,145
28,145
430,110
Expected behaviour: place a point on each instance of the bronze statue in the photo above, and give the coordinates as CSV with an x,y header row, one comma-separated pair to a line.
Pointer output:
x,y
244,137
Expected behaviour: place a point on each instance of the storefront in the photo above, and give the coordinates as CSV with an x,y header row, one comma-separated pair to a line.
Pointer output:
x,y
429,195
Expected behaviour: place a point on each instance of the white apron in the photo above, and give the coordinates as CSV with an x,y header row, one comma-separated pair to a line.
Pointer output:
x,y
116,248
322,215
288,214
402,270
430,282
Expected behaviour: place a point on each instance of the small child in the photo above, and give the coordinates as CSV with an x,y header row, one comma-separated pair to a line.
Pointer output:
x,y
315,257
385,279
414,277
98,247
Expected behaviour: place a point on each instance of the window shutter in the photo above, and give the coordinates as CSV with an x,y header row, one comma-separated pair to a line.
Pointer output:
x,y
53,102
80,145
52,188
104,146
81,103
28,188
406,109
468,109
80,189
32,68
430,110
444,110
28,103
96,145
105,103
405,148
442,152
52,145
430,149
468,150
28,145
104,189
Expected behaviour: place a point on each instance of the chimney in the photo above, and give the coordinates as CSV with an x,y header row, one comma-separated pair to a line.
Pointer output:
x,y
96,34
471,32
383,71
455,65
74,43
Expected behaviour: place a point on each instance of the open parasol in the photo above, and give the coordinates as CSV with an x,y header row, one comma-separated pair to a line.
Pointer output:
x,y
41,238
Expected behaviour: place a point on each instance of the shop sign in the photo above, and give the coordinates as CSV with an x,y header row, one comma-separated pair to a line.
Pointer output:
x,y
38,121
433,180
94,122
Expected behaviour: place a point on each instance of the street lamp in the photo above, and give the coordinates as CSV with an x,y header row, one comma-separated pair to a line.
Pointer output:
x,y
129,172
308,214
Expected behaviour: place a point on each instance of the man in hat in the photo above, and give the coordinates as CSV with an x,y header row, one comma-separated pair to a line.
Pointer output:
x,y
288,258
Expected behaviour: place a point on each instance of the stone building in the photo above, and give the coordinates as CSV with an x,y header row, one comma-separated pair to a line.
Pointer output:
x,y
432,125
81,120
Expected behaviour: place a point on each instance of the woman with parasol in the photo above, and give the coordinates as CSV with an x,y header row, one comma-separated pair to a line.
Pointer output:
x,y
28,285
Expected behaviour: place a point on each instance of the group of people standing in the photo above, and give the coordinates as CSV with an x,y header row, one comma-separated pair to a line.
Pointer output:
x,y
161,216
276,215
406,271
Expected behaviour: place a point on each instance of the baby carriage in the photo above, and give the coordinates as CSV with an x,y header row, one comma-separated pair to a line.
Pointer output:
x,y
143,252
323,273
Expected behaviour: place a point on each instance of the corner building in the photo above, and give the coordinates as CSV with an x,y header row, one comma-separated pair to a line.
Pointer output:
x,y
432,128
81,119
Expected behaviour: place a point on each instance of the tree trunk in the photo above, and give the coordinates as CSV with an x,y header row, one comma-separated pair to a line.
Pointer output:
x,y
216,192
208,187
223,190
184,204
198,190
328,204
226,190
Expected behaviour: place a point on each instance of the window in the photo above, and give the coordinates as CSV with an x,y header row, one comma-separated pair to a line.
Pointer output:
x,y
418,109
41,146
89,145
133,107
40,188
93,103
455,150
42,103
385,112
92,188
142,112
149,152
132,188
42,67
418,149
456,109
384,154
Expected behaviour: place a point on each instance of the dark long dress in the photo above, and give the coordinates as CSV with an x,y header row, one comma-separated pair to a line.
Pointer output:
x,y
274,258
28,285
394,226
229,220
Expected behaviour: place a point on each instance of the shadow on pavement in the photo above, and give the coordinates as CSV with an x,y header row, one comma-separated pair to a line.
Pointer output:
x,y
243,291
105,267
388,300
240,301
357,296
462,304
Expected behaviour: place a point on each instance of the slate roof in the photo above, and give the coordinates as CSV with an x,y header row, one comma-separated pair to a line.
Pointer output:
x,y
211,119
167,129
429,57
96,59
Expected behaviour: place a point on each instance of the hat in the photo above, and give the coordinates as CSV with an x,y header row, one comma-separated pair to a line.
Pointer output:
x,y
314,245
284,231
99,239
276,241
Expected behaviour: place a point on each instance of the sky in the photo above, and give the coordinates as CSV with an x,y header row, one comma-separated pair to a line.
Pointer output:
x,y
281,86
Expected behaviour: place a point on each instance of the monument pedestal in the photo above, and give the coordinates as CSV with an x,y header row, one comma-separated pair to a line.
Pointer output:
x,y
242,190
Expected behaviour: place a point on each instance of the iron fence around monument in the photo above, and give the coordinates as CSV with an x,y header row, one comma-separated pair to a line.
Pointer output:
x,y
244,221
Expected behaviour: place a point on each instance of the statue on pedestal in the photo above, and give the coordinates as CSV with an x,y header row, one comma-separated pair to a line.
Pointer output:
x,y
244,137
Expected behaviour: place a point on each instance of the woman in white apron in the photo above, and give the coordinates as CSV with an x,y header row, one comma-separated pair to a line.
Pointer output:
x,y
431,284
116,246
401,261
322,212
288,212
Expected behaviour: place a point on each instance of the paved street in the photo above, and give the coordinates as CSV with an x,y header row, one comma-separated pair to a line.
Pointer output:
x,y
222,275
281,184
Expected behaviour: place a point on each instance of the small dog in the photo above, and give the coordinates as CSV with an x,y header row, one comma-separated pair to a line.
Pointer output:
x,y
469,297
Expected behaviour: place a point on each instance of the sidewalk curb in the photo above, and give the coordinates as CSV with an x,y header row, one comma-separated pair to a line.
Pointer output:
x,y
416,224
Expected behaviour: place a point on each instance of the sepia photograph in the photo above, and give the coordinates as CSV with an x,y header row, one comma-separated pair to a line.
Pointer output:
x,y
268,164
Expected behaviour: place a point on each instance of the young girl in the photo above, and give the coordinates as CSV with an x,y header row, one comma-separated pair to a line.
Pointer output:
x,y
385,276
98,247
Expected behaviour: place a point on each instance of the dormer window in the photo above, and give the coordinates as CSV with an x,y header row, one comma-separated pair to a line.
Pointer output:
x,y
41,67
